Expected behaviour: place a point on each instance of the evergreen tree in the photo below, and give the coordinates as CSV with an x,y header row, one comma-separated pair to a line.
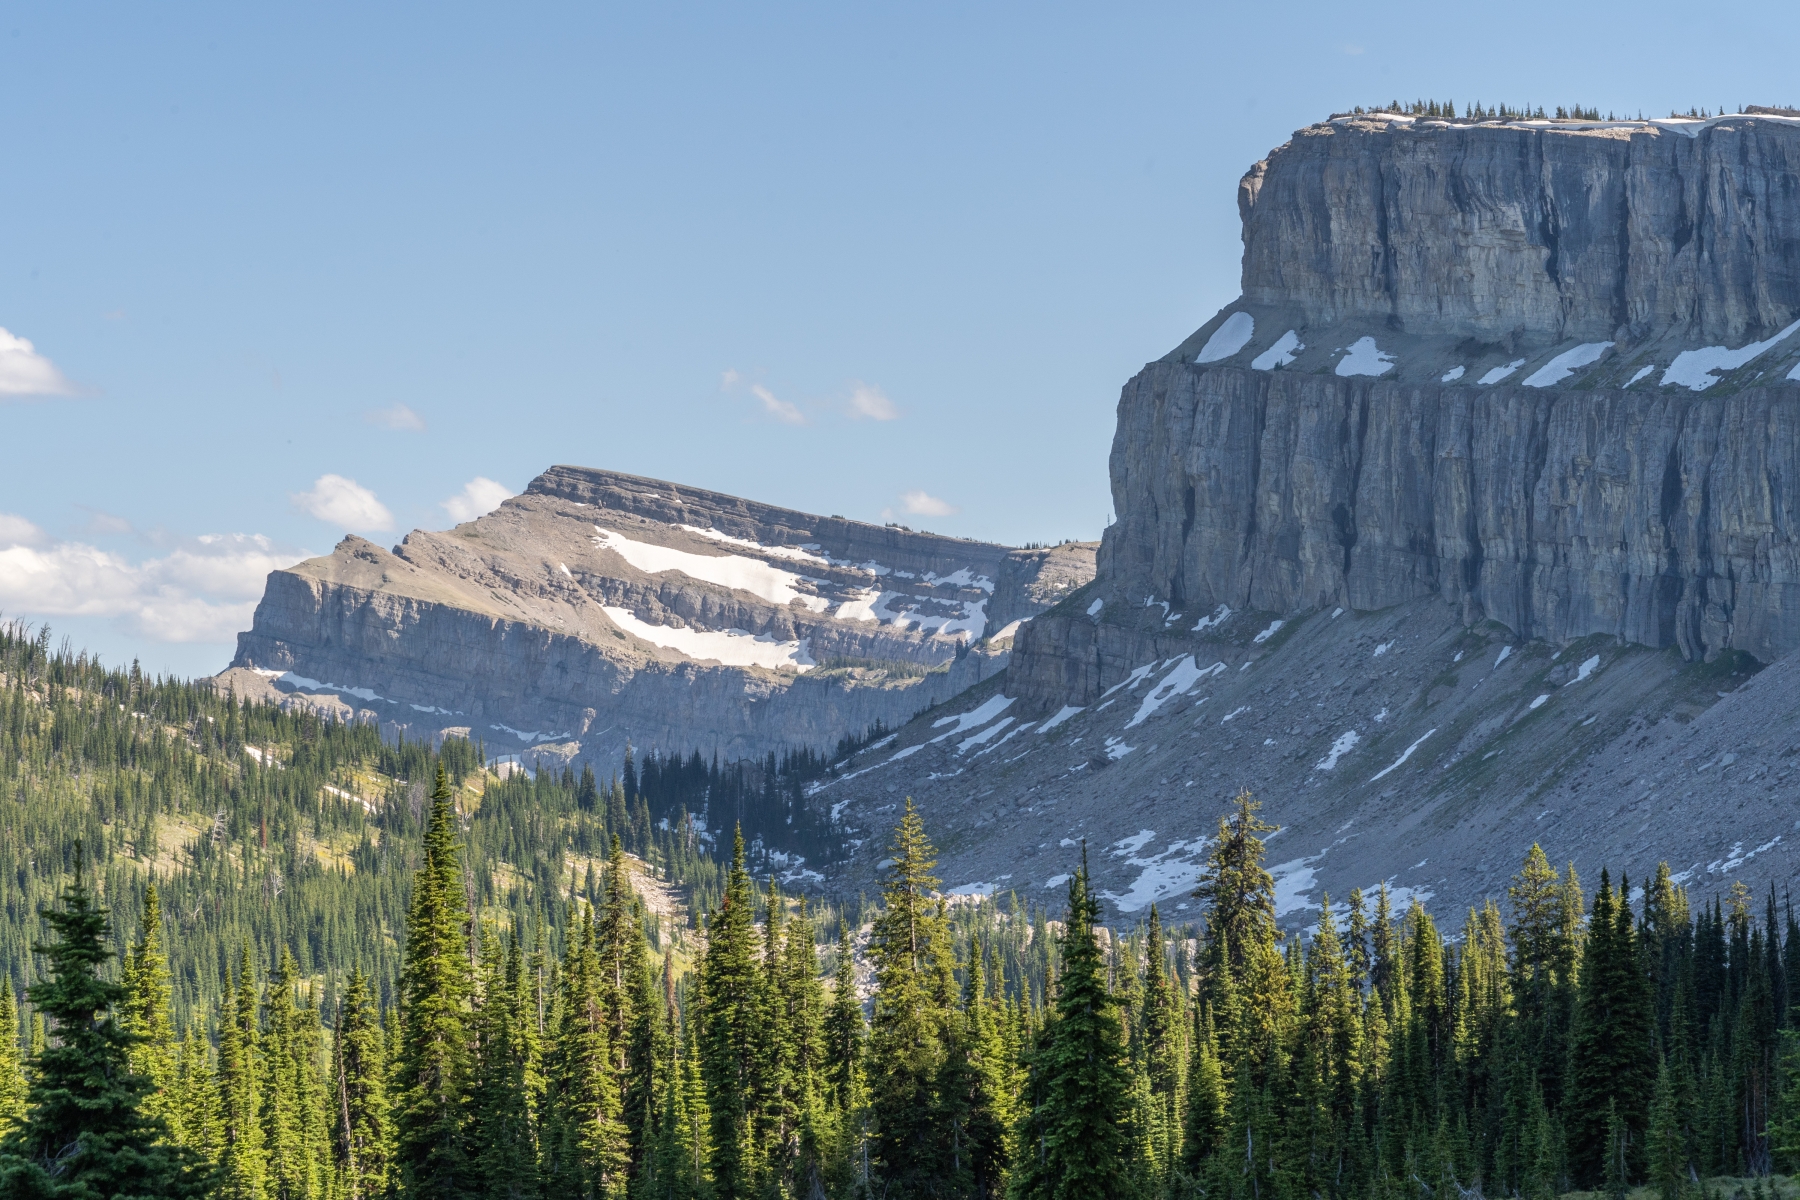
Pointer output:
x,y
730,1033
844,1030
12,1067
241,1156
974,1093
86,1133
1071,1143
359,1062
1611,1057
144,1015
429,1153
912,1008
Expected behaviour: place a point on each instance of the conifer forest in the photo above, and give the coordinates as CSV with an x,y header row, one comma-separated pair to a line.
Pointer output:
x,y
255,955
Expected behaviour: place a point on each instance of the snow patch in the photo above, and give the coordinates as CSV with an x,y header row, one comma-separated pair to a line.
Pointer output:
x,y
1453,374
984,735
1404,755
1640,373
1566,364
990,708
1541,701
1499,373
1177,682
1094,608
1280,354
1365,359
1220,615
727,570
1345,743
733,647
1505,653
1586,669
1693,369
1383,649
1137,676
1271,631
1062,714
1117,749
1228,338
301,681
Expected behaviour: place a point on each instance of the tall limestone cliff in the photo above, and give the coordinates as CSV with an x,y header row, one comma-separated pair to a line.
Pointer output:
x,y
599,608
1543,370
1471,524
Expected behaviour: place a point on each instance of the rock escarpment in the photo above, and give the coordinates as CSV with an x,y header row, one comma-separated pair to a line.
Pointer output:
x,y
599,608
1546,371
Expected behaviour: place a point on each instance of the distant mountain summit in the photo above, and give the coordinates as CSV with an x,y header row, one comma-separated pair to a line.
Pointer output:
x,y
599,608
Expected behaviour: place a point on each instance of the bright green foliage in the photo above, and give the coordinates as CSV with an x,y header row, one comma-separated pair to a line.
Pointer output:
x,y
845,1030
434,1018
241,1155
12,1068
359,1086
731,1033
144,1015
1072,1140
87,1134
913,1009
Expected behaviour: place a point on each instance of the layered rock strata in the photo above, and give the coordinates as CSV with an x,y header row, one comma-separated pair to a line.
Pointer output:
x,y
598,608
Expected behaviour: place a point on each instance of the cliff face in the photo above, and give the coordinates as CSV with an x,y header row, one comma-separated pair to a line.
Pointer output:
x,y
598,608
1548,230
1544,371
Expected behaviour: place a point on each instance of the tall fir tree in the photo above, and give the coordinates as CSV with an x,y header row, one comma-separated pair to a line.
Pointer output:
x,y
1071,1142
242,1160
429,1150
145,1016
359,1061
908,947
86,1133
730,1033
12,1065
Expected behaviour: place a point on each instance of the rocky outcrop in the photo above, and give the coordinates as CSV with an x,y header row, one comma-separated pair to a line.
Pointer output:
x,y
1544,371
599,608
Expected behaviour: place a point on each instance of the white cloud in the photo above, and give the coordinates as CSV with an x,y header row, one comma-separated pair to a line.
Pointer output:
x,y
25,372
729,378
479,497
345,503
869,402
399,418
924,504
17,531
203,591
780,409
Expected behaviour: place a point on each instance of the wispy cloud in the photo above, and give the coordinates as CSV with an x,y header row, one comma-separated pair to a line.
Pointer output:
x,y
204,590
479,497
870,403
25,372
399,418
344,503
924,504
776,407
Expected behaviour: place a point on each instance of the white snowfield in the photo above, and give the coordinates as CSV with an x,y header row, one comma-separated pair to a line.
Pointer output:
x,y
1177,682
1693,369
986,711
733,647
1286,347
1228,338
1566,364
1346,742
1364,358
727,570
301,681
1404,755
903,611
798,554
1062,714
1499,373
1453,374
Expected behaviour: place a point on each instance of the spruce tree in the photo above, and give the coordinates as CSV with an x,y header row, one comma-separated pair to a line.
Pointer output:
x,y
1072,1142
974,1093
429,1153
86,1134
502,1104
359,1064
1612,1056
241,1157
844,1030
145,1016
12,1066
906,1041
730,1033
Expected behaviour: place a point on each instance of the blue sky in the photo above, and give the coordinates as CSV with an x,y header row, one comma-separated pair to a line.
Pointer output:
x,y
885,261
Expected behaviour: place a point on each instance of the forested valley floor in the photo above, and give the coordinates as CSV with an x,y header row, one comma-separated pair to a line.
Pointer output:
x,y
252,954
